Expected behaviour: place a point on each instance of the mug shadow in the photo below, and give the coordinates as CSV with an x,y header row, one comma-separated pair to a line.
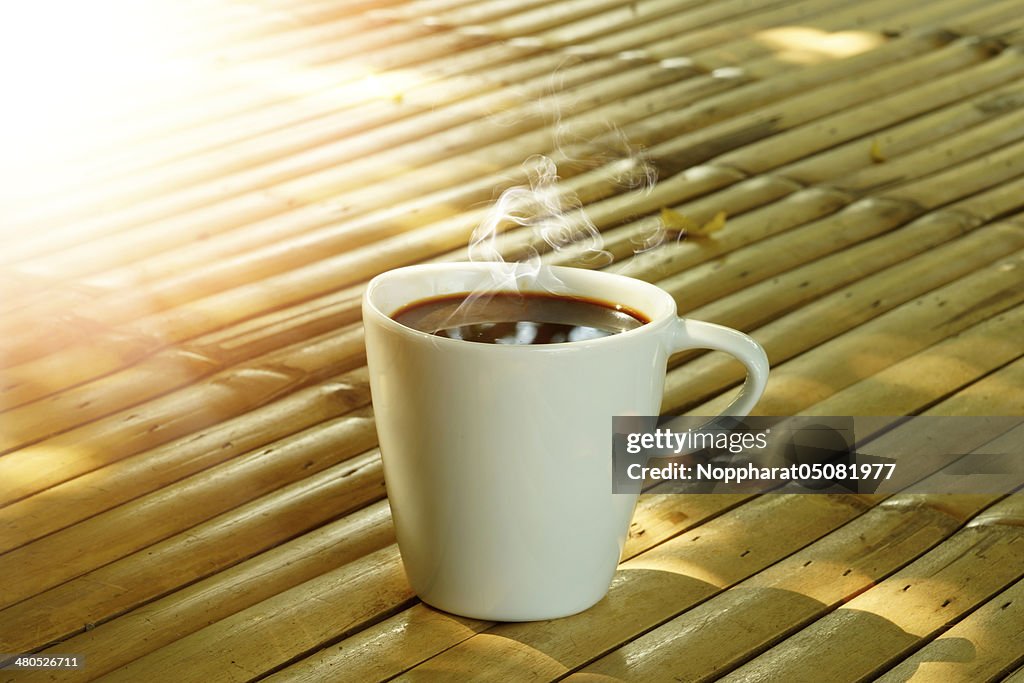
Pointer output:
x,y
705,641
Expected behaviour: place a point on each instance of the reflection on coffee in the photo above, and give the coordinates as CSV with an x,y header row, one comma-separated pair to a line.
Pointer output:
x,y
518,318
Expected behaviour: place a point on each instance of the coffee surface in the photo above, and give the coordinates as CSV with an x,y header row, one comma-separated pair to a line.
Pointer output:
x,y
518,318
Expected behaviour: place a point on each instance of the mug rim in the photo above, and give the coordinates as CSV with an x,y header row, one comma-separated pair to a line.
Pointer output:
x,y
659,320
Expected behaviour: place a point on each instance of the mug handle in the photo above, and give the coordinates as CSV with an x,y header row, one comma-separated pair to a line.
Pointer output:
x,y
694,334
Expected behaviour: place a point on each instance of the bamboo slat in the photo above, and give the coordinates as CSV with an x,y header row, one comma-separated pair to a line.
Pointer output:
x,y
776,254
814,324
756,306
120,476
647,240
892,618
626,589
162,372
938,126
169,618
974,176
971,143
858,121
227,522
793,207
163,621
827,166
102,353
421,99
420,632
699,646
718,139
229,394
985,636
893,336
936,371
75,550
367,589
990,392
781,87
186,557
742,16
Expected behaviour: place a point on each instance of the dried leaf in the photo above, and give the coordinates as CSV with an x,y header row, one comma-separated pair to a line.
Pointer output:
x,y
673,220
684,226
716,223
877,155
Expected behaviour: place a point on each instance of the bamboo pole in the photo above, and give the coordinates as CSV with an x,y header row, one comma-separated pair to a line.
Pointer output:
x,y
857,121
194,607
979,136
230,92
177,147
463,235
923,100
480,146
820,514
198,552
891,620
716,140
989,632
118,478
832,315
313,145
985,396
777,254
117,642
788,206
309,611
976,175
672,257
939,126
166,370
800,589
756,306
519,244
92,543
890,337
169,369
980,139
716,27
713,108
228,394
934,372
647,239
766,622
313,128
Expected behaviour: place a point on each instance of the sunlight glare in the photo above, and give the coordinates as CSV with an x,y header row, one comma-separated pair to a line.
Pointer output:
x,y
806,45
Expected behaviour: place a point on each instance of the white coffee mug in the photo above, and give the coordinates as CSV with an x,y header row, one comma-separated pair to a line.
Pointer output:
x,y
497,458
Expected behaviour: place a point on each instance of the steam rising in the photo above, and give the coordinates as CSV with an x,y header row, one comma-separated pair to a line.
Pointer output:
x,y
555,218
543,217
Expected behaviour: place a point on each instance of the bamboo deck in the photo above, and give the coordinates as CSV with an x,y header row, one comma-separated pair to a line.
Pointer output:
x,y
189,485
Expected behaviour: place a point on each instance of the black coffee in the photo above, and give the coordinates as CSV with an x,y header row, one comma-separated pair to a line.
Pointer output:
x,y
518,318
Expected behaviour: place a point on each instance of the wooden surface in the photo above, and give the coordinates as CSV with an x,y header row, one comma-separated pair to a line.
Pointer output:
x,y
189,485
